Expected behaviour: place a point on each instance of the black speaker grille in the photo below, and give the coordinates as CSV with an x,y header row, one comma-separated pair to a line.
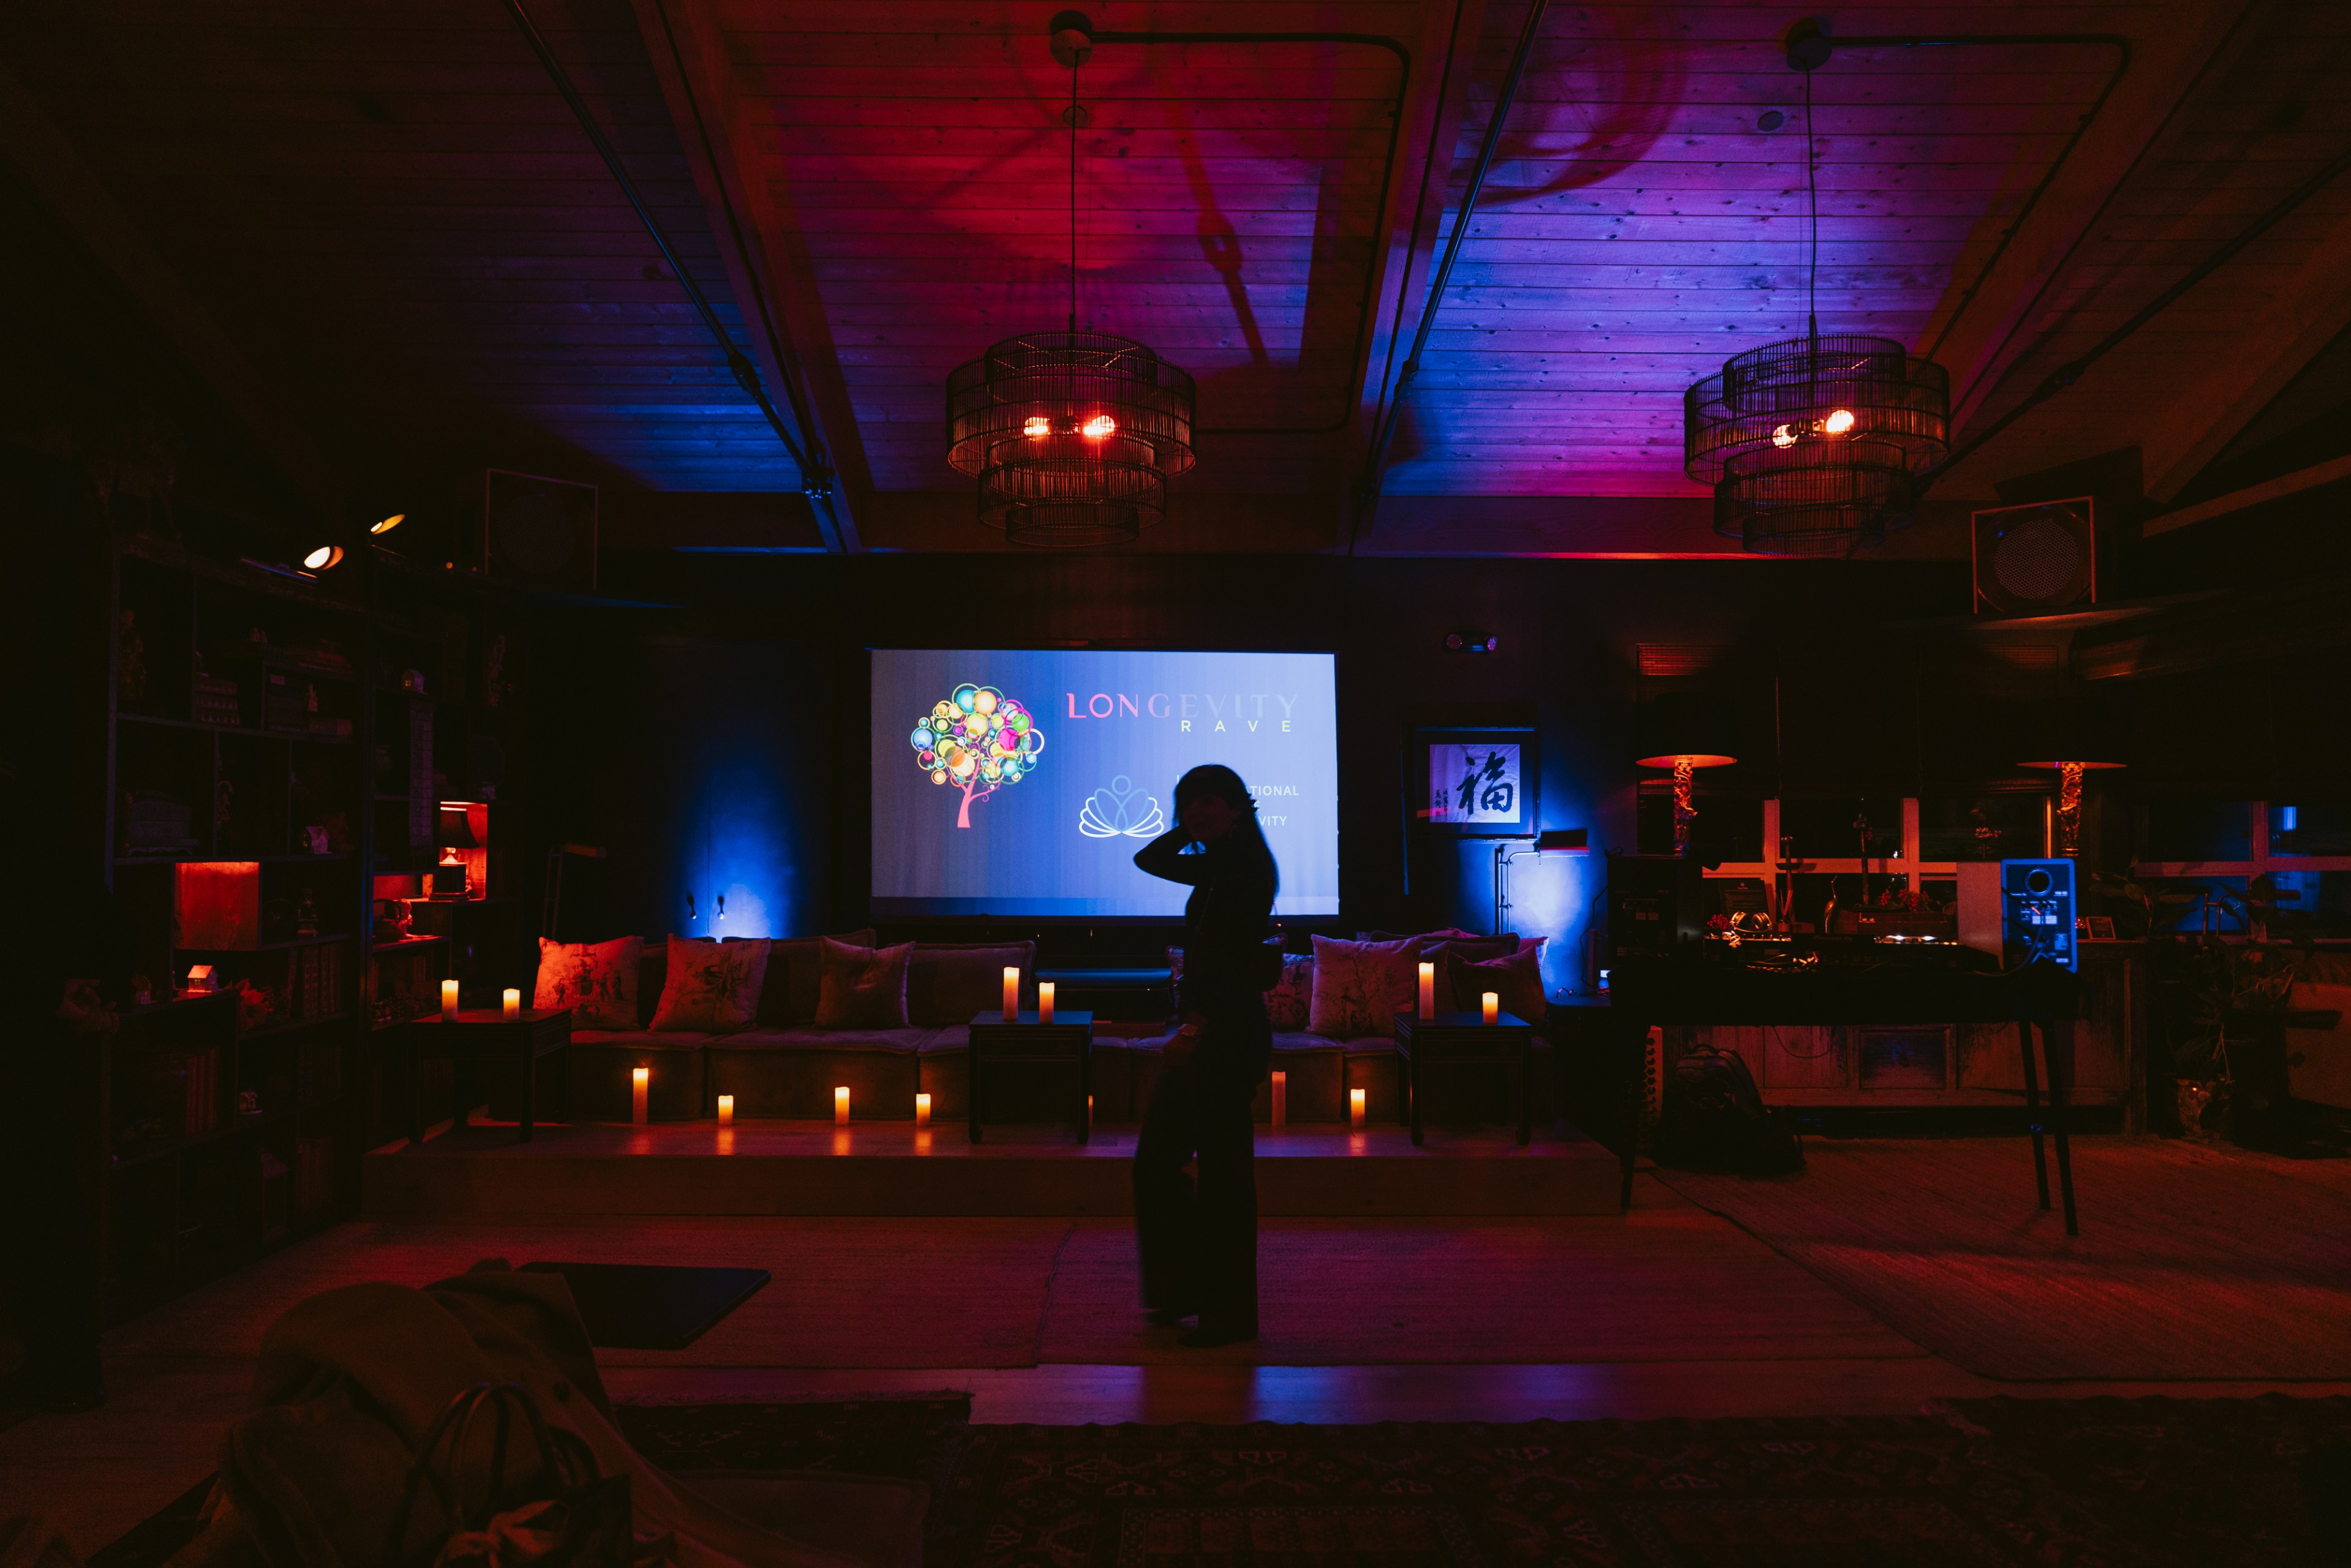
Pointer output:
x,y
2038,559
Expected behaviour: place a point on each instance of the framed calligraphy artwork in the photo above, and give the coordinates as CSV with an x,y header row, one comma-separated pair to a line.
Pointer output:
x,y
1475,783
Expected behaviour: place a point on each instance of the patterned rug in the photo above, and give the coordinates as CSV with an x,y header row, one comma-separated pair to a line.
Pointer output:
x,y
2088,1483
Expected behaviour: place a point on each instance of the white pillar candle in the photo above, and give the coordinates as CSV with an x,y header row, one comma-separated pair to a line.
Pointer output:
x,y
726,1109
641,1084
922,1110
1280,1098
449,1001
1044,1002
513,1000
1492,1002
1427,991
1356,1108
841,1106
1011,993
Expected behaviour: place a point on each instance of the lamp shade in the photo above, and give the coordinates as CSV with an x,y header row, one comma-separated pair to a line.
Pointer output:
x,y
1690,727
1563,842
455,830
2070,732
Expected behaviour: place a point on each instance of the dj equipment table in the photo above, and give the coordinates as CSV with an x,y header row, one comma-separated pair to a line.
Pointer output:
x,y
1702,989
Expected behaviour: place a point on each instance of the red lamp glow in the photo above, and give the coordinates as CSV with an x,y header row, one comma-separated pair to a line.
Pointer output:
x,y
1037,424
1100,425
1838,422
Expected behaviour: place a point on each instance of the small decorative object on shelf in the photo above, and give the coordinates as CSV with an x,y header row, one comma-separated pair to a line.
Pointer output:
x,y
202,982
306,913
254,1004
142,991
249,1101
392,920
412,681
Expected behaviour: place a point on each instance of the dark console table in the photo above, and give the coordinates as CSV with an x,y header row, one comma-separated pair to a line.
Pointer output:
x,y
1699,988
1466,1039
1070,1038
489,1036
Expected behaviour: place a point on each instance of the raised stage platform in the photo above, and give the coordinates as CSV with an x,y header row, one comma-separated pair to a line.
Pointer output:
x,y
889,1168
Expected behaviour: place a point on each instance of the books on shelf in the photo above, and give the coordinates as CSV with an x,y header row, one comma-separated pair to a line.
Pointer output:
x,y
315,978
217,702
199,1076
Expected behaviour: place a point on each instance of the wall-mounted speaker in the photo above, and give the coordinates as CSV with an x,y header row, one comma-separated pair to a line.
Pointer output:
x,y
538,532
2037,559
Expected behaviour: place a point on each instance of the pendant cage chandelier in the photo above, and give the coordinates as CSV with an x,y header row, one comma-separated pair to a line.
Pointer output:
x,y
1073,435
1814,446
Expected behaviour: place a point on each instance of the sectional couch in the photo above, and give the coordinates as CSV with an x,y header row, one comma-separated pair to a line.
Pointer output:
x,y
783,1066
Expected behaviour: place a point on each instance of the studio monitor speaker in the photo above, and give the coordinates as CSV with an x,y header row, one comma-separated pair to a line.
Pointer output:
x,y
2036,559
538,532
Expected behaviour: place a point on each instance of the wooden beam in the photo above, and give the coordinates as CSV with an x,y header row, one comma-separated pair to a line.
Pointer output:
x,y
1436,115
2285,484
2299,319
688,49
47,164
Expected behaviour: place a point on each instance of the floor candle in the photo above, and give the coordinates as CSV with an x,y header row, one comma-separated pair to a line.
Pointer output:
x,y
841,1106
513,1000
1492,1002
640,1084
726,1109
1356,1108
449,1001
1011,994
1044,1002
922,1110
1427,991
1280,1098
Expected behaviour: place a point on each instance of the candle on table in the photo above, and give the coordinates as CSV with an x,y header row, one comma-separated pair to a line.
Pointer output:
x,y
1429,990
1356,1108
841,1106
1492,1002
1011,994
922,1110
513,1003
726,1109
1044,1002
449,1001
640,1084
1280,1098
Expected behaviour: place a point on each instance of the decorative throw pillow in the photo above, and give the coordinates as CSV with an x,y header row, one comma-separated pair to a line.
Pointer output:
x,y
597,980
1359,986
947,982
712,985
1515,978
863,988
796,977
1286,1004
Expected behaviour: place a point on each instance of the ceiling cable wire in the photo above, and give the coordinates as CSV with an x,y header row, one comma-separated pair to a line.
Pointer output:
x,y
1074,63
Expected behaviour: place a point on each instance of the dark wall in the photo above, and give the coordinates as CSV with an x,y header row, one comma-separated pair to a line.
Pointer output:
x,y
721,747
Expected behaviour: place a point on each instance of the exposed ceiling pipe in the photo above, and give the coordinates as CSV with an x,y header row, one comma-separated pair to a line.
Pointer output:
x,y
1367,496
2066,374
816,473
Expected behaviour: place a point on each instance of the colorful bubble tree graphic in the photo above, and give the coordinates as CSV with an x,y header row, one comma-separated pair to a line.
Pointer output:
x,y
979,740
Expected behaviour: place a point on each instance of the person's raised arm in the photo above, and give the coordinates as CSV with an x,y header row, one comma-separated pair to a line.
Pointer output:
x,y
1164,858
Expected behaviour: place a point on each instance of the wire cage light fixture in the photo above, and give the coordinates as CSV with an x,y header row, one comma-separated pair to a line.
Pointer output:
x,y
1073,435
1814,444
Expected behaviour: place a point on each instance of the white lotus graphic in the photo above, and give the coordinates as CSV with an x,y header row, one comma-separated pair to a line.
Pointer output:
x,y
1120,810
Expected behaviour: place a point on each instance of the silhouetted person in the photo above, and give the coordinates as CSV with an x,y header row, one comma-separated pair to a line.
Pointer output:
x,y
1198,1248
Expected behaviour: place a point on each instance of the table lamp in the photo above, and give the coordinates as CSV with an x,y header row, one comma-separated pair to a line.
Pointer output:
x,y
454,833
2073,739
1685,731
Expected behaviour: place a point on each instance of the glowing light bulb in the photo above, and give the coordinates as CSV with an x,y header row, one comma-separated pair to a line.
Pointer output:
x,y
388,523
1037,424
1838,421
322,558
1100,425
1783,435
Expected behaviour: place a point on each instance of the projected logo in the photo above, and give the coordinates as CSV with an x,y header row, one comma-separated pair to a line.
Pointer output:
x,y
1120,810
979,740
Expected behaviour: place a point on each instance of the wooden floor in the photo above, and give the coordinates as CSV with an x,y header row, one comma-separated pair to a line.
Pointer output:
x,y
1669,1311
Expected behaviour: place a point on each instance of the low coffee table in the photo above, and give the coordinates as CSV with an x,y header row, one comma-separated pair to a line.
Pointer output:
x,y
1466,1039
489,1036
1069,1038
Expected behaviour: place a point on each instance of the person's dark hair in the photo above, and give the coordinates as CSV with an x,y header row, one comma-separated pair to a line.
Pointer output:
x,y
1246,838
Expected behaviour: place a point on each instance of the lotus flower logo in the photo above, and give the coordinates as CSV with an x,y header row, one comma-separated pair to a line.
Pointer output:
x,y
1120,810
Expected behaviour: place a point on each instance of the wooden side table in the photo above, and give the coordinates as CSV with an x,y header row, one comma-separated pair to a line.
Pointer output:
x,y
1466,1039
490,1036
1069,1038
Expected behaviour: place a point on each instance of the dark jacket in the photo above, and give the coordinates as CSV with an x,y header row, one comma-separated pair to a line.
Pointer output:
x,y
1224,921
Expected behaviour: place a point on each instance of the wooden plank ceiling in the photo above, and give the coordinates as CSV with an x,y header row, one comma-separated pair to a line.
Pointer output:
x,y
388,199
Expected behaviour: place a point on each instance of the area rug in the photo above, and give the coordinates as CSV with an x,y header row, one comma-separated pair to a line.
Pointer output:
x,y
2190,1263
1675,1284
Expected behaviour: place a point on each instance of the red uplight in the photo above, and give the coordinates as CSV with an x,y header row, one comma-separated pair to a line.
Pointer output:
x,y
1100,425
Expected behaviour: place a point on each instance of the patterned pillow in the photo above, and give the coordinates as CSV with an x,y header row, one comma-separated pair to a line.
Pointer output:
x,y
597,980
712,985
795,974
1515,978
1286,1004
864,988
1359,986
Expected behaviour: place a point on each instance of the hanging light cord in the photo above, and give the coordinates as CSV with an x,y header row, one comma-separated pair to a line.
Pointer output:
x,y
1073,196
1812,204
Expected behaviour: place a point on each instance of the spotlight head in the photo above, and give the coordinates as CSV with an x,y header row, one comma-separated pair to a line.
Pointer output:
x,y
1783,435
1100,425
386,524
325,558
1838,421
1036,424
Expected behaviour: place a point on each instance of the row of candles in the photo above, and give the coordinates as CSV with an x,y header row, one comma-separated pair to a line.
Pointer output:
x,y
640,1082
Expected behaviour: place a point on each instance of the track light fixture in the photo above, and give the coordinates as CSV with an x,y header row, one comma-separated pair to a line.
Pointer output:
x,y
323,557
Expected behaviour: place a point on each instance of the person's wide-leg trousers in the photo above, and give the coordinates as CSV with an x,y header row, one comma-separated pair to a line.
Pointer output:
x,y
1198,1242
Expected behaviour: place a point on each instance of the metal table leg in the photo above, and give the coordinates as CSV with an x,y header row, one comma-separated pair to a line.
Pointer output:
x,y
2057,1046
2032,1111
